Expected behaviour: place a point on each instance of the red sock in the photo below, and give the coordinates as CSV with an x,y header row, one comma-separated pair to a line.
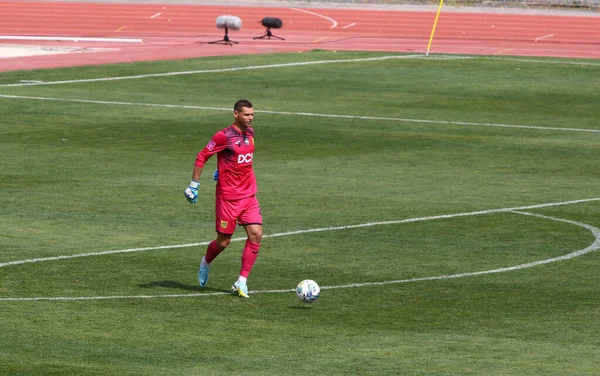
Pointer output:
x,y
249,256
212,251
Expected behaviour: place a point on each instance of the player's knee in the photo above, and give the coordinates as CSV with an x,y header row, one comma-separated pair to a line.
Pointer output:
x,y
254,233
255,237
223,241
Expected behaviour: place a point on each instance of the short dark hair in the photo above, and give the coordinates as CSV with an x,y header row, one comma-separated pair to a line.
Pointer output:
x,y
242,103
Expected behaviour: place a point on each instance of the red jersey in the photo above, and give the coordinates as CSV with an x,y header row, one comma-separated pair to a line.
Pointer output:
x,y
235,152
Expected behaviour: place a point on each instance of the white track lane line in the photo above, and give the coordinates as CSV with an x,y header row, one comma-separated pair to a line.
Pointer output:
x,y
333,22
80,39
543,37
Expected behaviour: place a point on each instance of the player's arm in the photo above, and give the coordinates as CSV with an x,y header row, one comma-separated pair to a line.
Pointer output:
x,y
197,172
216,144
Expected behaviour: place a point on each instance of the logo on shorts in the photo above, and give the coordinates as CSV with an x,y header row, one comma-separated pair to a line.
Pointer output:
x,y
224,224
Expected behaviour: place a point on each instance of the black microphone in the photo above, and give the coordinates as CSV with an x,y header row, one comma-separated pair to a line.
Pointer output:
x,y
272,22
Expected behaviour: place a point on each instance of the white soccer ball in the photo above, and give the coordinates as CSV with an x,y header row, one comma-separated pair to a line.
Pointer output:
x,y
308,291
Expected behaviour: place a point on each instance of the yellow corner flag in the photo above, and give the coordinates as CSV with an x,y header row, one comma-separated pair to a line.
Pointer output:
x,y
434,25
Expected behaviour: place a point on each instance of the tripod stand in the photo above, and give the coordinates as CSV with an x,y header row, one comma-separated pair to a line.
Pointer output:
x,y
225,40
268,35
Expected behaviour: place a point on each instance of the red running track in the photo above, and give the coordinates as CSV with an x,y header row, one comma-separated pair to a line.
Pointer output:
x,y
168,31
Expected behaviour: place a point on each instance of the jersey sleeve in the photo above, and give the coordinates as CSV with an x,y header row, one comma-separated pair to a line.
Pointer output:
x,y
217,143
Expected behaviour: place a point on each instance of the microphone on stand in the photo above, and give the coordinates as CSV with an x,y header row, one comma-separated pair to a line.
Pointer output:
x,y
227,22
270,23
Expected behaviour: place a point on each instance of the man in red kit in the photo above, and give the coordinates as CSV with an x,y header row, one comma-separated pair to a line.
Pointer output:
x,y
236,201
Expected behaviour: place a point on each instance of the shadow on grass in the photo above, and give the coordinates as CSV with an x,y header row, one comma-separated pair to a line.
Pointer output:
x,y
177,285
300,307
181,286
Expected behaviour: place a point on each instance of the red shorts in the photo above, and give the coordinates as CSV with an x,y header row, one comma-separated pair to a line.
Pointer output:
x,y
229,212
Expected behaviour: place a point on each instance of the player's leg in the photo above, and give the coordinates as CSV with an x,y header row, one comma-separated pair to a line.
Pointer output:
x,y
212,251
251,220
251,248
225,226
216,246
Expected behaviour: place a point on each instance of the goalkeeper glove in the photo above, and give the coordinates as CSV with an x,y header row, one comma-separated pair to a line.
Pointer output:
x,y
191,192
216,175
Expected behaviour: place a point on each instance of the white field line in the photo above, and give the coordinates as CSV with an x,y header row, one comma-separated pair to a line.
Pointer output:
x,y
427,121
295,64
221,70
283,65
536,61
593,247
334,22
349,25
355,117
300,232
156,15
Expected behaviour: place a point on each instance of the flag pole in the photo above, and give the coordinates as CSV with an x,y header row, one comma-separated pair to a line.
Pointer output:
x,y
434,25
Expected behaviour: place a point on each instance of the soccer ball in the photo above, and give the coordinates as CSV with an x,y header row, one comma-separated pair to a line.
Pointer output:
x,y
308,291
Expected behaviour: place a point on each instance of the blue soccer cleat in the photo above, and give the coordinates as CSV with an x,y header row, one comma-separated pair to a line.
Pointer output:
x,y
203,275
240,290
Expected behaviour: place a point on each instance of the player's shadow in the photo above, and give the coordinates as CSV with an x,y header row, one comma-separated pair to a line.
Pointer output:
x,y
171,285
179,286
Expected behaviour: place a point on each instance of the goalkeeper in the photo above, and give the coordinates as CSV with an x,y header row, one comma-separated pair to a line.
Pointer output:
x,y
236,201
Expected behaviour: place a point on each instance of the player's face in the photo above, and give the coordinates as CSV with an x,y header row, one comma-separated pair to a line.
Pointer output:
x,y
243,117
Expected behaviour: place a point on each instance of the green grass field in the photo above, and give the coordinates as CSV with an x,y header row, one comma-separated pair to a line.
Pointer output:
x,y
431,198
